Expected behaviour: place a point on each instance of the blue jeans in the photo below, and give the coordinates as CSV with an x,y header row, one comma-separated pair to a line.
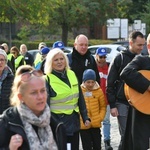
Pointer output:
x,y
106,124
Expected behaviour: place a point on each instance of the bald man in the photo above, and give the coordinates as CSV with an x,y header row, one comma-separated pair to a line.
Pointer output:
x,y
81,59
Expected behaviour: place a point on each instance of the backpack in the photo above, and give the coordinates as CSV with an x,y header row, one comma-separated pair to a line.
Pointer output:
x,y
121,65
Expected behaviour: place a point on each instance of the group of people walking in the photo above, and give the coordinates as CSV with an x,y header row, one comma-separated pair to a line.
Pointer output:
x,y
51,101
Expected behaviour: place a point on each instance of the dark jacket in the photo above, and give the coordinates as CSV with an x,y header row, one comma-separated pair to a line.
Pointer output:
x,y
28,59
11,124
11,65
115,86
83,62
5,92
131,75
137,133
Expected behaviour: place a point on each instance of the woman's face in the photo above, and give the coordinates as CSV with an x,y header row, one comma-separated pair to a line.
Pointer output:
x,y
14,53
35,95
59,62
23,49
2,63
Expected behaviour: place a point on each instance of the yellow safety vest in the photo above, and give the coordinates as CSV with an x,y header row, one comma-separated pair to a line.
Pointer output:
x,y
9,56
17,61
66,100
38,59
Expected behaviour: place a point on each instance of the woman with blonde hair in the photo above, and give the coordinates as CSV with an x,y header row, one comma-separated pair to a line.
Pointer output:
x,y
66,98
26,125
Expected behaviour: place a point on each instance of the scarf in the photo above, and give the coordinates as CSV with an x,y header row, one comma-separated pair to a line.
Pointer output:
x,y
5,73
44,140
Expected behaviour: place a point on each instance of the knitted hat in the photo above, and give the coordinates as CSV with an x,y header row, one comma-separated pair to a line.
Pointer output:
x,y
45,50
2,52
101,51
59,44
89,74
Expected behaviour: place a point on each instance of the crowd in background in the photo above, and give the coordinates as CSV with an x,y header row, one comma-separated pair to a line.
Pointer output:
x,y
57,98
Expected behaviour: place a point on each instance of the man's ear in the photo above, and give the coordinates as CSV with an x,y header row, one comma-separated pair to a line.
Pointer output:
x,y
75,44
130,43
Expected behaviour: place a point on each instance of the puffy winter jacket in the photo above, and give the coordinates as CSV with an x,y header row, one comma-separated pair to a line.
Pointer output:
x,y
96,106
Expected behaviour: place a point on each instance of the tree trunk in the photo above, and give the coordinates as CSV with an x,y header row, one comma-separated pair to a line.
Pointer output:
x,y
65,34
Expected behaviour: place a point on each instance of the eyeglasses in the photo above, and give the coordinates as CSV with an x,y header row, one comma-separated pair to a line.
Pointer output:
x,y
27,75
2,60
102,57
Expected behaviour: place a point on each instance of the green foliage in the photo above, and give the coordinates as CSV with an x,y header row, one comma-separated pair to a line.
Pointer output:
x,y
33,11
92,42
61,16
123,7
145,16
136,8
70,12
7,14
34,45
24,33
98,42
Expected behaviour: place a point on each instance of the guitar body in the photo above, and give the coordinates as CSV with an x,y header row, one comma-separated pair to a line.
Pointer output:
x,y
139,101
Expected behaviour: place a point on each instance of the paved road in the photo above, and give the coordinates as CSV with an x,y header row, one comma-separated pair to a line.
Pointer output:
x,y
115,137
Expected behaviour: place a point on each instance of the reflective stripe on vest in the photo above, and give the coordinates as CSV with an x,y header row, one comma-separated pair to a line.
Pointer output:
x,y
65,107
66,100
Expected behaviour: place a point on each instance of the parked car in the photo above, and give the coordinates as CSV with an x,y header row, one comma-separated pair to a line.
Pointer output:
x,y
68,49
126,44
34,52
112,50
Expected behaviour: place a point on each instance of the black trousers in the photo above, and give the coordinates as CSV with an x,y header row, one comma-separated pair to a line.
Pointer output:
x,y
74,141
91,139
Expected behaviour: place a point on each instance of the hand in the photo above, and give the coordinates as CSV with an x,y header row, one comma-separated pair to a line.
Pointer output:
x,y
15,142
114,112
87,123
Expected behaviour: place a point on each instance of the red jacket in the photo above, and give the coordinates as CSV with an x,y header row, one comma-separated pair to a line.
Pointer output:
x,y
103,72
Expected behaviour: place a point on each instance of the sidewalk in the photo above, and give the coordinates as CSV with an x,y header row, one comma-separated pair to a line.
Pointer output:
x,y
115,136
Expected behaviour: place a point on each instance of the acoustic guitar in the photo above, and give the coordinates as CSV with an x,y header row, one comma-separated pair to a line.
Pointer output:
x,y
139,101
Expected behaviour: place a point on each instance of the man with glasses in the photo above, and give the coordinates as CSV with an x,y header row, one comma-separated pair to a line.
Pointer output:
x,y
102,66
81,59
